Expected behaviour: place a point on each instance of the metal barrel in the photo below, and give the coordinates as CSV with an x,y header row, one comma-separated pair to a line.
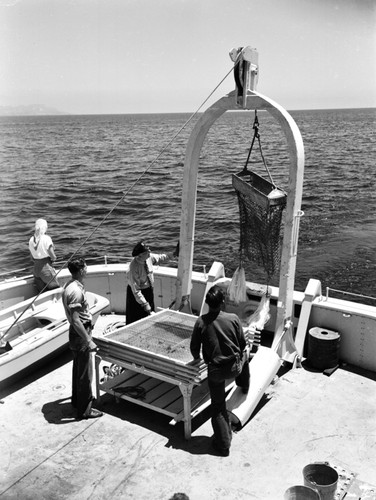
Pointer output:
x,y
323,348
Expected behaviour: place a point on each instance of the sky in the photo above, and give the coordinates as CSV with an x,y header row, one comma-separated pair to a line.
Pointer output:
x,y
166,56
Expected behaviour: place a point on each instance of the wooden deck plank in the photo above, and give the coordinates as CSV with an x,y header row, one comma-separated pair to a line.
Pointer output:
x,y
169,399
125,377
143,403
154,395
132,379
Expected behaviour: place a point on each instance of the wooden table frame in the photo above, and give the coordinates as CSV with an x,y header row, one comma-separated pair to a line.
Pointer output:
x,y
161,391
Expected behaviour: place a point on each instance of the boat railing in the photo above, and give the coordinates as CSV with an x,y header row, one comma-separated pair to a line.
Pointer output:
x,y
15,274
116,259
22,273
357,295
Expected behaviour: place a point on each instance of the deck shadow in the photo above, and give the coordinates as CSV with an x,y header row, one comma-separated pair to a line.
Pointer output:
x,y
144,417
358,371
341,366
59,411
160,424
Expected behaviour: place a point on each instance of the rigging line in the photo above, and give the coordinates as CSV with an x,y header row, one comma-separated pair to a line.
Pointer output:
x,y
256,134
148,168
264,161
127,192
151,164
47,458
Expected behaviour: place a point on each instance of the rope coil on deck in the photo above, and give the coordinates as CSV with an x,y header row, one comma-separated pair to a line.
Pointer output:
x,y
133,391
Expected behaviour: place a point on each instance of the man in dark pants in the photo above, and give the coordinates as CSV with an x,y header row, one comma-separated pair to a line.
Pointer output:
x,y
140,289
223,343
80,340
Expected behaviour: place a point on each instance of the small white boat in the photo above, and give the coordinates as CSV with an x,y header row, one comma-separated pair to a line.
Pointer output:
x,y
34,329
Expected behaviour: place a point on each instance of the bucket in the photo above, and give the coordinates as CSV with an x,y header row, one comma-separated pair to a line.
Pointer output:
x,y
321,477
301,493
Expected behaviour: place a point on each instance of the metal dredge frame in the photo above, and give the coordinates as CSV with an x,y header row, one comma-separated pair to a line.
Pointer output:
x,y
260,211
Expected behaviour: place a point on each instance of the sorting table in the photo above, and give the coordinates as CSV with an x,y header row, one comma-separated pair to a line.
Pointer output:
x,y
159,372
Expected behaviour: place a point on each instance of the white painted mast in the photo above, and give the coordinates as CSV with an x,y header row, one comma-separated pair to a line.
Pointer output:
x,y
248,99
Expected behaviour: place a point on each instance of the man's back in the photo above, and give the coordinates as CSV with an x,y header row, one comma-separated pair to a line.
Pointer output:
x,y
221,336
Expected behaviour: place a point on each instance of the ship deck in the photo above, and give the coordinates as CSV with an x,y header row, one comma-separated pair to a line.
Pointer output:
x,y
132,452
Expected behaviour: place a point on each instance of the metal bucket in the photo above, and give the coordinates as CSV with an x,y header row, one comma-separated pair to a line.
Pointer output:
x,y
301,493
322,478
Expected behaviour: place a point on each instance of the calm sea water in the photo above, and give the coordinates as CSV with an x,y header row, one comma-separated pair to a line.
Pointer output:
x,y
79,172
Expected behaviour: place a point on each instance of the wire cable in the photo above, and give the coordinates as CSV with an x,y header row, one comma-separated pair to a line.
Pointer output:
x,y
126,193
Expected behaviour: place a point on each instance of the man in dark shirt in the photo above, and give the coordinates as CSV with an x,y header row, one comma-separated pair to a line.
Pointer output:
x,y
222,339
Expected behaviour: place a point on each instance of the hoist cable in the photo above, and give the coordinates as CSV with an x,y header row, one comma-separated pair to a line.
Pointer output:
x,y
124,195
256,135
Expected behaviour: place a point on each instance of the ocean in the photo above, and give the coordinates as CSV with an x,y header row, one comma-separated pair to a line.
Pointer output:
x,y
95,179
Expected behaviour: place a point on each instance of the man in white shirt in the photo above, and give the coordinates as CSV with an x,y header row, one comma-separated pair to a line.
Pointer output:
x,y
80,340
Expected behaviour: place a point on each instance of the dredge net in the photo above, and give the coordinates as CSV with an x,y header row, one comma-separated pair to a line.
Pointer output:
x,y
261,207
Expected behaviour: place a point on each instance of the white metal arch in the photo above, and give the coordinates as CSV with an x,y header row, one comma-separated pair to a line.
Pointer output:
x,y
292,213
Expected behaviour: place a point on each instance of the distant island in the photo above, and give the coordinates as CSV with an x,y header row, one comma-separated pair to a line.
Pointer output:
x,y
31,110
